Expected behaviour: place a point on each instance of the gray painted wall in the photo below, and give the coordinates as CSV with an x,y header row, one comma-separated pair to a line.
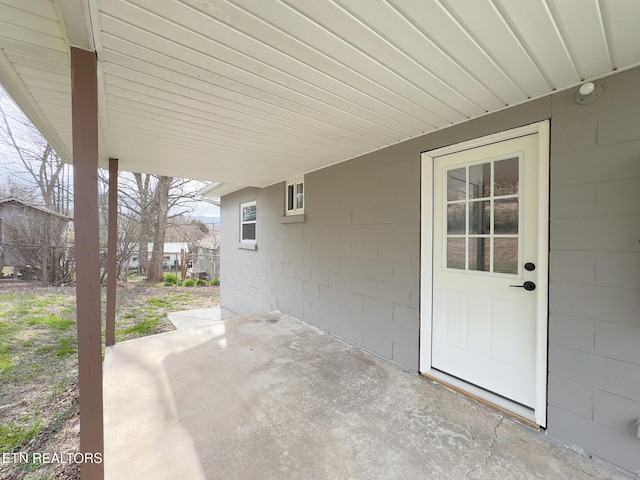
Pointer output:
x,y
352,267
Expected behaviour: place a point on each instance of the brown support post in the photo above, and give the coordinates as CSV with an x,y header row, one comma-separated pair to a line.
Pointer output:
x,y
84,109
112,245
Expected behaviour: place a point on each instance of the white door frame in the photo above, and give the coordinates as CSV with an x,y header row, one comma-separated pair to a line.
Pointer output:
x,y
426,266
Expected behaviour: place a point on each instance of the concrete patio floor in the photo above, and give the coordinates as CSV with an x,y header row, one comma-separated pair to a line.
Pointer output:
x,y
269,397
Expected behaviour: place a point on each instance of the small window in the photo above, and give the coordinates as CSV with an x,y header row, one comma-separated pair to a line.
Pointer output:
x,y
248,222
294,200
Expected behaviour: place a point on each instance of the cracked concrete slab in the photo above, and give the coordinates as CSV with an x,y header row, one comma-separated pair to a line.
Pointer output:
x,y
267,396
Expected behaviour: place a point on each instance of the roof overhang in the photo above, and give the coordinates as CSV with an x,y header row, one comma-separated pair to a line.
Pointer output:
x,y
250,93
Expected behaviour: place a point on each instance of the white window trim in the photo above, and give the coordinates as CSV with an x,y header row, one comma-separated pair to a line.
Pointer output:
x,y
243,205
294,182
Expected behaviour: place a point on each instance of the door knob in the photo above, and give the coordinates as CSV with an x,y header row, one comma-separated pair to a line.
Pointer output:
x,y
528,286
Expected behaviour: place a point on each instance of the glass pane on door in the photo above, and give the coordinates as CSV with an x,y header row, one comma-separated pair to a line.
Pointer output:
x,y
483,216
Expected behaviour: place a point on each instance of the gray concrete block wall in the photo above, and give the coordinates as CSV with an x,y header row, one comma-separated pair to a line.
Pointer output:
x,y
352,268
594,324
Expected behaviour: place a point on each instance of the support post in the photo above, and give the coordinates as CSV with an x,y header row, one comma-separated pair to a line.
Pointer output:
x,y
84,109
112,245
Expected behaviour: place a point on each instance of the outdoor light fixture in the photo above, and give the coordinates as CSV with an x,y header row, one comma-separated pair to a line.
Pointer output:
x,y
588,93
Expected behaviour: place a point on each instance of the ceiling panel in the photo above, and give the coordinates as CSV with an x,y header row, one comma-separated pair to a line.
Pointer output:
x,y
536,29
252,92
581,25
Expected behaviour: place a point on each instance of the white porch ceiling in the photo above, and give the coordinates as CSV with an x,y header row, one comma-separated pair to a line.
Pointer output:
x,y
251,92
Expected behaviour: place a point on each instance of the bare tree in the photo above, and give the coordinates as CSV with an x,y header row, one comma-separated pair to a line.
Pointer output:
x,y
37,244
37,176
161,204
28,156
148,200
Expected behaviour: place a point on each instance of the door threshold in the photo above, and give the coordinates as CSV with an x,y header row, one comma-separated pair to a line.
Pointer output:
x,y
505,406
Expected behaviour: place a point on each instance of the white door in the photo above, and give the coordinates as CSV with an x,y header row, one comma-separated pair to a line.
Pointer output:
x,y
485,252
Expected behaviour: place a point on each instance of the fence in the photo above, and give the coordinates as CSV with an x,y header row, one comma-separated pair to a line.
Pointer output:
x,y
49,264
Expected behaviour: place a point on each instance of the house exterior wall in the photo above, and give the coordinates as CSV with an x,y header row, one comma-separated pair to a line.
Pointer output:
x,y
352,267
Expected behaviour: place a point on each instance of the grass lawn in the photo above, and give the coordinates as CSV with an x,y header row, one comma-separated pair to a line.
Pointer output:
x,y
39,366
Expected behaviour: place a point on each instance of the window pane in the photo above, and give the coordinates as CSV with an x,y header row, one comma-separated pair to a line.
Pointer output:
x,y
455,253
249,214
480,180
456,219
479,253
506,177
300,195
290,197
505,216
249,231
456,184
479,217
505,255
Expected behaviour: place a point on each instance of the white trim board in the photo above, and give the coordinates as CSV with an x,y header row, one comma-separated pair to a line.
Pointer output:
x,y
539,414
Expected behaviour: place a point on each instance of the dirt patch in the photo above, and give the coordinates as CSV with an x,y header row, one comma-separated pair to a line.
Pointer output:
x,y
38,365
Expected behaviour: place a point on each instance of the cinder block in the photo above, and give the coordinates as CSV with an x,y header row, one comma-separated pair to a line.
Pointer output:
x,y
339,281
378,345
407,233
572,332
618,269
617,161
311,289
311,261
365,250
378,308
341,217
620,342
572,266
318,306
398,294
311,233
570,396
339,312
334,234
619,125
595,233
321,277
573,201
351,267
397,253
405,357
349,333
406,275
574,135
593,438
620,197
406,317
340,249
591,301
315,318
378,270
320,248
364,286
617,413
403,172
381,234
599,373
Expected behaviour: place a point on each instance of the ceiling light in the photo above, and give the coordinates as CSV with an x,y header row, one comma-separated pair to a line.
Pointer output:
x,y
588,92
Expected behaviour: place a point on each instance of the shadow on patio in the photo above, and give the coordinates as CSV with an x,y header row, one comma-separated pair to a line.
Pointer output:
x,y
269,397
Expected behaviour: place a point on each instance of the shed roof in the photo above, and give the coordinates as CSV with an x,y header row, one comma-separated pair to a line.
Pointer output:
x,y
17,202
